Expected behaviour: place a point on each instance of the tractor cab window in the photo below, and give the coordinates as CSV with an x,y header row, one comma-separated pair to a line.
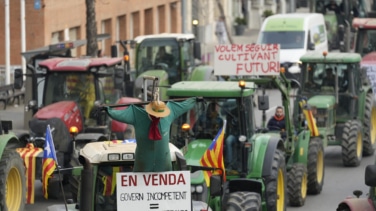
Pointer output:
x,y
322,77
206,119
71,87
159,54
187,55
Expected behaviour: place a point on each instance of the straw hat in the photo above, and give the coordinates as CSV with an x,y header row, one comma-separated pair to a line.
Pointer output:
x,y
157,109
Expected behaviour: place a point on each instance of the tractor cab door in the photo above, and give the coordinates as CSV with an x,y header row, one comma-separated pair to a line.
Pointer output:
x,y
348,87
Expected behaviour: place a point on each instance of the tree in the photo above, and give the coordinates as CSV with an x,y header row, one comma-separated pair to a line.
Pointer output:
x,y
91,29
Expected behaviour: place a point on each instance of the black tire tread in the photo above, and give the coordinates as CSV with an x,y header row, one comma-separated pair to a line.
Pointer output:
x,y
11,159
244,201
349,144
367,142
271,181
294,184
315,147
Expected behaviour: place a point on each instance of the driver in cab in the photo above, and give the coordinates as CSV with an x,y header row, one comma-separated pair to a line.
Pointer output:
x,y
163,57
277,122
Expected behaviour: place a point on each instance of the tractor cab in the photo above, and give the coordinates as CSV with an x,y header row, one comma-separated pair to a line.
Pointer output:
x,y
332,82
365,41
171,57
338,18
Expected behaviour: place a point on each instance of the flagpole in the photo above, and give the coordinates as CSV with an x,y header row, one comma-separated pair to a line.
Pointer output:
x,y
62,188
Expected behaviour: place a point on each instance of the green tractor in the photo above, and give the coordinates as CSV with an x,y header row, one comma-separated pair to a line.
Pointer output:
x,y
170,57
338,17
346,112
261,165
12,170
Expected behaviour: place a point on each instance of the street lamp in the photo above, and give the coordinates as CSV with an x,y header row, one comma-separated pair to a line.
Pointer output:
x,y
195,29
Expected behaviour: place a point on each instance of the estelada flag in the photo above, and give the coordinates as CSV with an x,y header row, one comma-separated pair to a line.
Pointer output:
x,y
49,161
213,156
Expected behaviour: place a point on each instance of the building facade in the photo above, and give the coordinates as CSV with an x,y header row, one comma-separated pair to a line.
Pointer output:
x,y
55,20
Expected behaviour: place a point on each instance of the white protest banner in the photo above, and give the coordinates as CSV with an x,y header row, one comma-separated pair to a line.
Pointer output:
x,y
154,191
246,59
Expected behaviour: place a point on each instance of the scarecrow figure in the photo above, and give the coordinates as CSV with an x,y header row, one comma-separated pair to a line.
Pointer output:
x,y
152,128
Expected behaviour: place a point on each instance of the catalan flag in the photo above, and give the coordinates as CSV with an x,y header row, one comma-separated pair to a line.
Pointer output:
x,y
49,161
29,154
311,121
213,156
109,182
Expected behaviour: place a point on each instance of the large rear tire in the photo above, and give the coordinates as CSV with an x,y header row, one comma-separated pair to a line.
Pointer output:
x,y
369,124
297,185
316,165
352,144
275,184
244,201
12,182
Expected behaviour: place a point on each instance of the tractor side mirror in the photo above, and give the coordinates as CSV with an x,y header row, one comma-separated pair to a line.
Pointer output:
x,y
263,102
311,46
370,175
215,185
18,78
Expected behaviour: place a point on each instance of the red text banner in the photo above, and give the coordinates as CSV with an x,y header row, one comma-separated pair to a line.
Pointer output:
x,y
246,59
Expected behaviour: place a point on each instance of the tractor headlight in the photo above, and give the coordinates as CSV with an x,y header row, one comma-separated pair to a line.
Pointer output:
x,y
199,189
113,156
193,189
128,156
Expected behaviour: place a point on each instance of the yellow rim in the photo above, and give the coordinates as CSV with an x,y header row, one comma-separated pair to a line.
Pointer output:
x,y
13,190
359,145
280,190
304,185
320,166
373,125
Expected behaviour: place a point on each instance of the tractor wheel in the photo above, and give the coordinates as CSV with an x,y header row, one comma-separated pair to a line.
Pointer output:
x,y
297,184
369,124
275,184
244,201
74,181
315,166
352,144
12,181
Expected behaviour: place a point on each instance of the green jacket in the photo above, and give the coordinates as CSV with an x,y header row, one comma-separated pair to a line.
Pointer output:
x,y
151,156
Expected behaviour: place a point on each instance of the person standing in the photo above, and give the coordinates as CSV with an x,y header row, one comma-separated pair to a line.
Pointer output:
x,y
220,30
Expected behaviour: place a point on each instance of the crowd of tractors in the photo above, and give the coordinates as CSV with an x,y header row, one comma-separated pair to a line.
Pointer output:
x,y
267,169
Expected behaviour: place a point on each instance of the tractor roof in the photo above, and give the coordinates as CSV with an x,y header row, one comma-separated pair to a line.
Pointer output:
x,y
98,152
176,36
369,59
364,23
331,57
209,89
78,64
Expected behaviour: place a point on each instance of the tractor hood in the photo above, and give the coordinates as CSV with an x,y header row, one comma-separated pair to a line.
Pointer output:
x,y
194,153
322,101
56,110
98,152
